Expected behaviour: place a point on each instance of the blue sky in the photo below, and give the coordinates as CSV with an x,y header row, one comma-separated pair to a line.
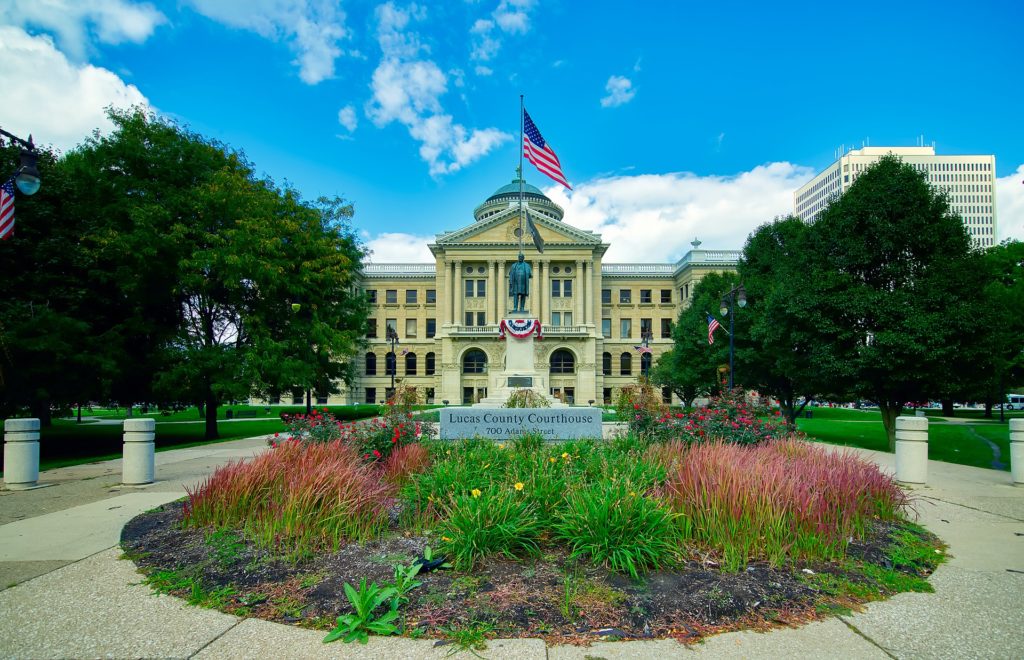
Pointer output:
x,y
674,120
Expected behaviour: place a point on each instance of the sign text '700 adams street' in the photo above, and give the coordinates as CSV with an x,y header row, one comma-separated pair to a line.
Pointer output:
x,y
505,423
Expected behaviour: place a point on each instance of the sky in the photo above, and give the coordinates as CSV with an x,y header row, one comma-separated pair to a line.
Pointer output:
x,y
673,120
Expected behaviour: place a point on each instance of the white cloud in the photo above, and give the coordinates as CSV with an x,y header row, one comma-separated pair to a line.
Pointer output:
x,y
400,248
347,118
510,17
482,70
313,29
77,23
408,90
57,101
653,217
620,90
1010,205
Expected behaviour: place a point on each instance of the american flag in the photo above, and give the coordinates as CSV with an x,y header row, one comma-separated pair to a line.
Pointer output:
x,y
7,210
712,326
540,153
642,349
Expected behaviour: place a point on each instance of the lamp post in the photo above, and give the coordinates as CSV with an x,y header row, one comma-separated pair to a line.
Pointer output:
x,y
391,336
27,176
735,296
645,341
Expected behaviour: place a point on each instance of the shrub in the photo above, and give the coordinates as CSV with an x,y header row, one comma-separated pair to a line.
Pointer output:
x,y
640,406
298,497
776,500
526,398
481,522
729,417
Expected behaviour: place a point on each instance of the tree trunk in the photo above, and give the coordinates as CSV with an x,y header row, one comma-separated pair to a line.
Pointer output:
x,y
41,411
988,408
947,408
890,411
79,413
211,417
309,400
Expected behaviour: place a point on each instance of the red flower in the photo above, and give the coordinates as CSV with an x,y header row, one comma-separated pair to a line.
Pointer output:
x,y
276,434
376,453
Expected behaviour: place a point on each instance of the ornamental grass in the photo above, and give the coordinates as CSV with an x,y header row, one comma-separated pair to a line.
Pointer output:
x,y
298,497
776,501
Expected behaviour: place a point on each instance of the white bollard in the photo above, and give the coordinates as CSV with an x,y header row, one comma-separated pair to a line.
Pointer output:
x,y
21,453
138,464
912,450
1017,451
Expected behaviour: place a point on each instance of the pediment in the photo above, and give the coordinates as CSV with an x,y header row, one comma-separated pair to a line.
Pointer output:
x,y
499,230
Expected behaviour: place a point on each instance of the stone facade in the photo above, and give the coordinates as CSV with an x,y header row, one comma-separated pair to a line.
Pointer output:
x,y
446,314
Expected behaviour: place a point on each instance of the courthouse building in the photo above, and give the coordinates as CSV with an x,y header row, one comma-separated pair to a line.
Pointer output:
x,y
593,314
969,182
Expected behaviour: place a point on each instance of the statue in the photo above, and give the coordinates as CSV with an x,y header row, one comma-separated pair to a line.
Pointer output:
x,y
519,284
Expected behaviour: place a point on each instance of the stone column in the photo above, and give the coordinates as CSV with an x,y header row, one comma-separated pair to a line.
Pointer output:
x,y
502,303
446,295
534,299
588,311
912,450
544,299
458,294
492,291
21,453
138,464
578,294
1017,451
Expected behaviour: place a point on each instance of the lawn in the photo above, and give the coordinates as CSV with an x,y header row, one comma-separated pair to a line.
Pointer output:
x,y
953,442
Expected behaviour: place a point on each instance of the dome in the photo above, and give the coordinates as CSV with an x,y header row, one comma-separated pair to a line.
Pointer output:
x,y
536,201
513,189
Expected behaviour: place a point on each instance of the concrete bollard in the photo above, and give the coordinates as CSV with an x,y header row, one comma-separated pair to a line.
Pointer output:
x,y
21,453
138,464
911,450
1017,451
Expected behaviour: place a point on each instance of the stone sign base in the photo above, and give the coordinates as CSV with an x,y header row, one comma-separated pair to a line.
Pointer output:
x,y
506,423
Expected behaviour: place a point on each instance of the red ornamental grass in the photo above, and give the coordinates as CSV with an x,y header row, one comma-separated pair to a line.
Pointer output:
x,y
404,462
777,500
298,496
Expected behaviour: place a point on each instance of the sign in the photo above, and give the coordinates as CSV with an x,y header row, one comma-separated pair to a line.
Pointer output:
x,y
507,423
520,381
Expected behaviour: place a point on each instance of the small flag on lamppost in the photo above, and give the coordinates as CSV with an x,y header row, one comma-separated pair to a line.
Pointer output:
x,y
713,325
7,210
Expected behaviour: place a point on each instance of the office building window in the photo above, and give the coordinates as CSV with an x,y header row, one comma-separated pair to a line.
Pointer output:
x,y
606,396
646,328
474,362
371,328
469,318
606,328
626,364
625,296
391,296
410,296
666,328
481,289
481,318
645,296
606,296
371,296
567,288
430,395
625,328
428,364
410,364
556,288
391,324
431,327
666,295
371,395
431,296
606,364
470,287
371,364
410,327
562,362
390,364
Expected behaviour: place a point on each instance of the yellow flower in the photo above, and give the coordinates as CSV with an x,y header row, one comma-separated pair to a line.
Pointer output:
x,y
501,446
565,454
519,485
445,538
486,466
632,494
475,492
552,459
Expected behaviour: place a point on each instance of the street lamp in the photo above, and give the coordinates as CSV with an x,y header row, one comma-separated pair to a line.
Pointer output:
x,y
27,176
391,336
646,336
738,296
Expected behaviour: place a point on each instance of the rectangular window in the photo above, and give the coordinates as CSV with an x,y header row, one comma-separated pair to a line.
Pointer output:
x,y
469,318
428,364
556,319
606,296
410,327
666,295
625,296
410,296
391,296
430,395
481,288
646,328
481,318
606,396
371,395
469,288
606,328
371,328
566,318
431,327
645,296
371,296
666,328
625,328
392,324
431,296
556,288
567,289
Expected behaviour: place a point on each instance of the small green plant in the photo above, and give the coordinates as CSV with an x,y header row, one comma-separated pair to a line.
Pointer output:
x,y
358,626
226,545
405,581
471,637
484,523
288,607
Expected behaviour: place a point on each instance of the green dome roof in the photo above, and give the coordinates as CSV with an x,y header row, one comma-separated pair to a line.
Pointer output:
x,y
513,189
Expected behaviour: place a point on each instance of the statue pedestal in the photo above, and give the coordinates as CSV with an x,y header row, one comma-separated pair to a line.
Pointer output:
x,y
519,371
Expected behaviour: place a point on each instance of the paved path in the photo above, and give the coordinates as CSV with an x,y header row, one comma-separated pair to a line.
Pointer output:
x,y
64,592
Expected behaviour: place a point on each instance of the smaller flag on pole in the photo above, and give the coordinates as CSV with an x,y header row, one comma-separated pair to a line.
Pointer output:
x,y
532,228
643,349
713,325
540,153
7,209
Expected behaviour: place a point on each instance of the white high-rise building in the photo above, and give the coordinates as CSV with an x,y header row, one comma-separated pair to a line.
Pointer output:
x,y
968,180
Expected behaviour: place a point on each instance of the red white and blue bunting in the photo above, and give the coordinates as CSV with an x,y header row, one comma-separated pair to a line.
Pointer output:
x,y
519,328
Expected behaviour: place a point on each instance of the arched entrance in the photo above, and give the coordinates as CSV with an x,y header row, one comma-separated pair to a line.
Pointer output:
x,y
474,376
562,375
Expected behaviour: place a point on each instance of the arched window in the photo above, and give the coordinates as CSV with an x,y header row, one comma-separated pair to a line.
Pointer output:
x,y
474,362
429,364
390,365
626,364
371,364
562,362
410,364
645,363
606,364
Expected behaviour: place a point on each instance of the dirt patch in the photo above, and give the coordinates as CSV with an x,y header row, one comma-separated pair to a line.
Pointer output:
x,y
552,597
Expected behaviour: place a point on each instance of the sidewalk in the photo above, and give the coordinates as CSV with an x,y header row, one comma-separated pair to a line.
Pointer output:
x,y
64,592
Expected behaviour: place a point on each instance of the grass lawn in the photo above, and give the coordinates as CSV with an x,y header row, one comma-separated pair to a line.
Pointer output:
x,y
952,442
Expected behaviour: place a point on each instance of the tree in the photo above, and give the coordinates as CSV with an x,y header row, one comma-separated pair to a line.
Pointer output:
x,y
690,369
896,286
780,347
1002,324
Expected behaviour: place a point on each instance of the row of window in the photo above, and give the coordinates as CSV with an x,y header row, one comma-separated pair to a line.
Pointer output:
x,y
646,328
625,364
371,394
626,296
475,362
411,296
478,289
411,328
391,364
558,319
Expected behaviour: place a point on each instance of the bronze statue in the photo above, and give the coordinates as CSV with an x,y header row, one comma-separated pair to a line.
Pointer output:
x,y
519,284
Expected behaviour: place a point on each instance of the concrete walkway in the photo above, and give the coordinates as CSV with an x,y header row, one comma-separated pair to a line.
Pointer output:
x,y
64,592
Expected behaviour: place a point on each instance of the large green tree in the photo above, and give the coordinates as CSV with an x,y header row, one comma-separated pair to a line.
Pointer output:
x,y
1001,321
896,286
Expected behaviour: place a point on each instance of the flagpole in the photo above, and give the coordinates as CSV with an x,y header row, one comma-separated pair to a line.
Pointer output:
x,y
521,111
